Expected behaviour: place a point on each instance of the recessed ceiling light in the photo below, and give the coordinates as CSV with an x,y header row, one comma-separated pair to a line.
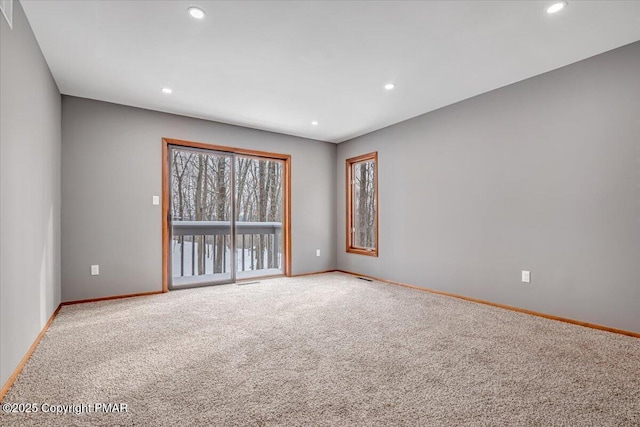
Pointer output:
x,y
389,86
166,90
196,12
556,7
314,123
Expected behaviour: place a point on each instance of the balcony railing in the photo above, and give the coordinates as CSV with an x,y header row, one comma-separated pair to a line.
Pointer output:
x,y
202,247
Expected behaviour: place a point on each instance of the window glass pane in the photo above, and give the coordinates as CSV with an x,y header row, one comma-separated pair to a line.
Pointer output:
x,y
259,213
364,204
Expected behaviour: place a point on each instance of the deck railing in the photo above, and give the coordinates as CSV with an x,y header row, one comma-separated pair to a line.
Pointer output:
x,y
258,246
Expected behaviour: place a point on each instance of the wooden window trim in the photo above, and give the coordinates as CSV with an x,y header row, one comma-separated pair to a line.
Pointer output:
x,y
285,158
349,167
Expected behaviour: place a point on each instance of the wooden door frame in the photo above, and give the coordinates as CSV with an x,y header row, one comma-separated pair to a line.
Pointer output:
x,y
286,217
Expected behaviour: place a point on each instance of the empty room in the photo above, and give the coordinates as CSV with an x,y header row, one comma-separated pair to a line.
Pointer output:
x,y
322,213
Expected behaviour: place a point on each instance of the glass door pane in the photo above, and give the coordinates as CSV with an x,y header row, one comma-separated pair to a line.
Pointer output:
x,y
202,209
259,216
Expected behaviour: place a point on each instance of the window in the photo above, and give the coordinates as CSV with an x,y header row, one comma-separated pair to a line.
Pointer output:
x,y
362,204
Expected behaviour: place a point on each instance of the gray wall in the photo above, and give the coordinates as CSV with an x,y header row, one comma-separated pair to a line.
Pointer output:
x,y
111,168
29,191
542,175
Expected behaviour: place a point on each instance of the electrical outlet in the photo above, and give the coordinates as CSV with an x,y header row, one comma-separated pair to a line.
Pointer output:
x,y
95,270
317,252
526,276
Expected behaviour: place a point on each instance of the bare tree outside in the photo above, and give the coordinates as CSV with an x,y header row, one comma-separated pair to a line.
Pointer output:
x,y
364,204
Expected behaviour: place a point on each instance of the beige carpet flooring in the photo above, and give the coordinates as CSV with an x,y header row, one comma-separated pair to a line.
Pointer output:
x,y
326,350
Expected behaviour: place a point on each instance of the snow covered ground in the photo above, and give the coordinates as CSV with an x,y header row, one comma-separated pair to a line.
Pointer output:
x,y
188,266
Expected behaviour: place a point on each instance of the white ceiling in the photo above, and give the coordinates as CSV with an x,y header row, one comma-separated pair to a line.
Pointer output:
x,y
278,65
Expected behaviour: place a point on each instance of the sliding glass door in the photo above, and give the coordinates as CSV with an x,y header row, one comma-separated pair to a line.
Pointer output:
x,y
216,195
259,216
202,209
